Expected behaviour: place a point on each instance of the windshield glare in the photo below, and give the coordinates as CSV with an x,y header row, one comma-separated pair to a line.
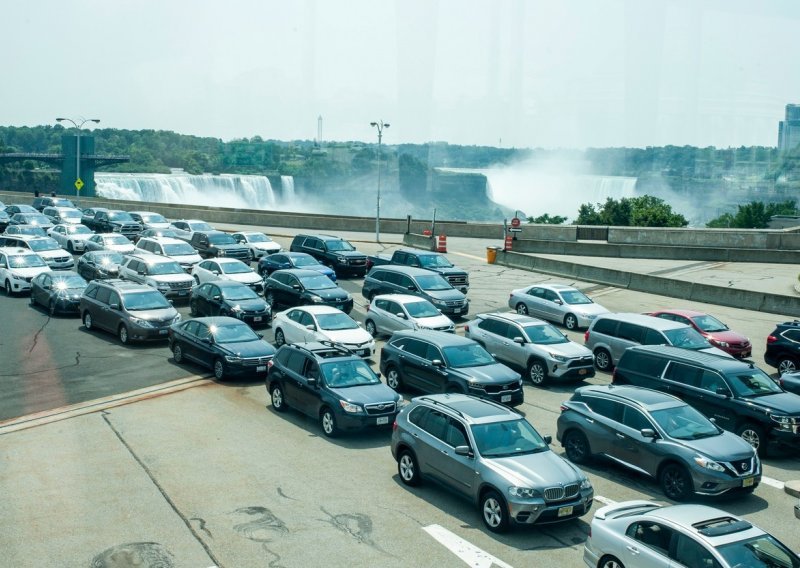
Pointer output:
x,y
422,310
755,382
121,216
320,282
79,230
575,297
221,239
117,240
471,355
353,373
70,214
339,245
258,238
544,334
709,323
26,261
165,268
684,423
334,322
234,333
686,338
235,268
202,226
762,551
178,249
153,218
69,283
240,293
138,301
43,244
509,438
305,261
108,258
435,261
433,282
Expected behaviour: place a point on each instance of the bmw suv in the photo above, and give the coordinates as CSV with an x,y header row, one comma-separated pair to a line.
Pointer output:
x,y
490,455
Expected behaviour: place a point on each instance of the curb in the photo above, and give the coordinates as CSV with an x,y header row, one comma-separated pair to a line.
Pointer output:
x,y
792,488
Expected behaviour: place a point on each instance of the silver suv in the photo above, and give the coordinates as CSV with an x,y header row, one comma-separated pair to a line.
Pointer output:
x,y
392,312
532,345
163,274
490,455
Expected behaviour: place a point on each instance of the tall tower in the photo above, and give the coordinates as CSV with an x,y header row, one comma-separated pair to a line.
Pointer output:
x,y
319,129
789,129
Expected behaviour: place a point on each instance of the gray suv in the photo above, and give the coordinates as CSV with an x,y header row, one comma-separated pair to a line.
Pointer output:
x,y
659,435
433,287
532,345
490,455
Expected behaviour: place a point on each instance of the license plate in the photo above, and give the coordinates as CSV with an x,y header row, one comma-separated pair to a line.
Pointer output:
x,y
261,368
257,318
183,292
564,511
745,354
163,331
364,352
748,481
383,420
457,311
582,371
505,398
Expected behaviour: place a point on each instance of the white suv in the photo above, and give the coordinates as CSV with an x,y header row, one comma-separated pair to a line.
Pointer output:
x,y
258,243
163,274
18,267
46,247
228,269
178,250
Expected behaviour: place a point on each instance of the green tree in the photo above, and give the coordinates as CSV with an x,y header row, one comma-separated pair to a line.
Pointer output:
x,y
644,211
753,215
546,219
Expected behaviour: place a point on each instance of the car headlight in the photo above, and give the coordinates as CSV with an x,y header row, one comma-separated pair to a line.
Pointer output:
x,y
721,343
707,463
221,253
315,299
348,297
176,319
350,407
586,484
440,302
341,260
141,322
557,357
523,492
784,422
236,308
233,359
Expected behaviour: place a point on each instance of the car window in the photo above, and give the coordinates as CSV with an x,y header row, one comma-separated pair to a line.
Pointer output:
x,y
605,326
468,355
296,362
550,296
683,373
604,407
191,327
214,291
687,338
634,418
383,305
644,363
653,337
753,383
653,535
204,289
394,278
311,370
417,348
103,295
434,423
792,334
203,331
692,554
295,315
762,551
630,331
544,334
306,319
507,438
456,434
711,381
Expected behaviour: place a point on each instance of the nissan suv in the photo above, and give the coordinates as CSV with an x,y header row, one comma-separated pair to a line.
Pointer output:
x,y
660,435
437,362
783,347
490,455
332,384
332,251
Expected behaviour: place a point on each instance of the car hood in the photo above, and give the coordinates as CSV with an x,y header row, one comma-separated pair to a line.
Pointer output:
x,y
182,277
725,447
367,394
186,258
329,272
329,293
446,295
451,271
267,246
783,402
55,253
349,253
235,246
120,248
245,278
539,470
159,315
249,348
79,237
570,349
496,373
357,335
727,336
256,304
30,272
433,321
157,225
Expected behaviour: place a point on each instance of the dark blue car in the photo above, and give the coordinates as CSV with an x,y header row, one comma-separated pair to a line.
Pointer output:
x,y
278,261
229,298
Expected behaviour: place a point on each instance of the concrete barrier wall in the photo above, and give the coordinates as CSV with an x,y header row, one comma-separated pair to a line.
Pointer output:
x,y
722,238
419,241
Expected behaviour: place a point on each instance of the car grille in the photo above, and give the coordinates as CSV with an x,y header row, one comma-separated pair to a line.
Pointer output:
x,y
357,261
380,408
739,344
255,312
255,361
581,362
129,229
454,303
240,253
740,467
496,389
561,493
61,259
180,285
457,281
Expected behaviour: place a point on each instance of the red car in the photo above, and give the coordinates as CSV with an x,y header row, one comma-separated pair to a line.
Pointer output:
x,y
717,333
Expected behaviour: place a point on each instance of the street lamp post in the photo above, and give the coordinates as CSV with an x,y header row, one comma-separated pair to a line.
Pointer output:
x,y
380,126
78,126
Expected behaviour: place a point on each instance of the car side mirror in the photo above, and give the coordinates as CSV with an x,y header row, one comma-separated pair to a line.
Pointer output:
x,y
559,302
312,382
548,440
207,340
401,315
311,327
216,298
437,363
260,335
113,306
464,451
519,340
296,286
648,433
215,272
411,287
723,391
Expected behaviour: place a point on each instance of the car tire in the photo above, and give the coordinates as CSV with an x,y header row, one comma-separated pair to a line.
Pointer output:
x,y
494,511
278,399
786,365
32,301
219,369
327,421
408,468
369,325
571,322
9,290
177,353
280,339
269,298
610,562
755,436
522,309
576,446
676,482
537,372
122,333
51,308
602,359
393,379
87,321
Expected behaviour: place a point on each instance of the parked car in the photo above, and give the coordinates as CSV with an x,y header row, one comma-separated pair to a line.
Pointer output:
x,y
68,215
739,396
322,323
227,269
436,362
178,250
5,219
260,245
185,228
225,345
71,237
46,247
556,302
150,220
131,311
297,287
31,219
645,533
790,382
110,241
490,455
392,312
659,435
331,384
229,298
40,203
282,260
89,213
99,264
59,292
18,267
783,347
15,208
163,274
610,335
433,261
171,233
533,346
390,279
213,244
114,221
25,230
717,333
335,252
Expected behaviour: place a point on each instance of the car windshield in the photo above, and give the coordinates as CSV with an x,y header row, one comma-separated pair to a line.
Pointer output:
x,y
69,283
233,333
235,268
120,216
70,214
239,293
37,219
258,238
753,382
320,282
305,261
434,261
339,245
139,301
709,323
221,239
26,261
470,355
153,218
762,551
686,338
201,226
433,283
508,438
26,230
116,240
334,322
108,258
178,249
574,297
423,309
79,230
165,268
59,202
684,423
161,233
38,245
544,334
351,373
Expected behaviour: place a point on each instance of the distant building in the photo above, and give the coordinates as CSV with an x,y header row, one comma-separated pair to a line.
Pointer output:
x,y
789,129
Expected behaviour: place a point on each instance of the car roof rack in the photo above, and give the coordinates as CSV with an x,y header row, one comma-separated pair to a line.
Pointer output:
x,y
440,403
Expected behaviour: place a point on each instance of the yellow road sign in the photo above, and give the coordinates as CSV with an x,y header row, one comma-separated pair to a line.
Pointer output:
x,y
78,184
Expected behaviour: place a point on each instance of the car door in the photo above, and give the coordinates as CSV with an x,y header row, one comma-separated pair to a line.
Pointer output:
x,y
431,447
201,300
633,448
535,300
686,552
291,291
601,424
295,383
458,471
628,335
711,394
100,311
491,333
186,338
292,326
203,345
647,543
410,359
390,320
41,290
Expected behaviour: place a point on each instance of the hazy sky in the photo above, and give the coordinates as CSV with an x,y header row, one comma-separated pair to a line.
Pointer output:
x,y
524,73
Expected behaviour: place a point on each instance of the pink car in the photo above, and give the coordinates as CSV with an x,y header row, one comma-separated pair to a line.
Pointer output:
x,y
717,333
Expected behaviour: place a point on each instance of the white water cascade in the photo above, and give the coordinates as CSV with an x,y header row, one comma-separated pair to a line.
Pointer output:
x,y
287,188
236,191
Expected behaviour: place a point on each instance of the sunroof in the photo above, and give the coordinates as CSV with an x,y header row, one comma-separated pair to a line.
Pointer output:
x,y
721,526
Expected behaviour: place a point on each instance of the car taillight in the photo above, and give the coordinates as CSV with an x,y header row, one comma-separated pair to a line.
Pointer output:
x,y
466,329
368,306
564,408
586,336
394,425
270,363
771,339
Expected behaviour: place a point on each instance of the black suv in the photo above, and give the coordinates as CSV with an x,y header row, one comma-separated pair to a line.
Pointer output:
x,y
39,203
332,384
298,287
437,362
332,251
783,347
739,396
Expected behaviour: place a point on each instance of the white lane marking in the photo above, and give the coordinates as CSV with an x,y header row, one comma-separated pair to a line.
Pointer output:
x,y
604,500
466,551
772,482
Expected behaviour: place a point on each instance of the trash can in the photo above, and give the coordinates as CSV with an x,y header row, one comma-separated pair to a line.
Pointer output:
x,y
491,254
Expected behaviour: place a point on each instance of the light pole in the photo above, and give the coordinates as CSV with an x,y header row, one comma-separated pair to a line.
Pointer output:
x,y
78,126
380,126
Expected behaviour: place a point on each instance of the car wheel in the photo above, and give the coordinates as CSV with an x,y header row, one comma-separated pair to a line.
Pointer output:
x,y
51,307
537,372
70,248
393,379
328,422
278,401
123,334
269,298
87,320
32,300
494,512
522,309
280,339
219,369
9,291
408,469
753,435
610,562
369,325
193,309
571,322
577,447
786,366
177,353
602,359
676,483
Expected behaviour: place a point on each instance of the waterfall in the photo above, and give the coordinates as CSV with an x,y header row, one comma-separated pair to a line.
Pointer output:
x,y
287,188
227,190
